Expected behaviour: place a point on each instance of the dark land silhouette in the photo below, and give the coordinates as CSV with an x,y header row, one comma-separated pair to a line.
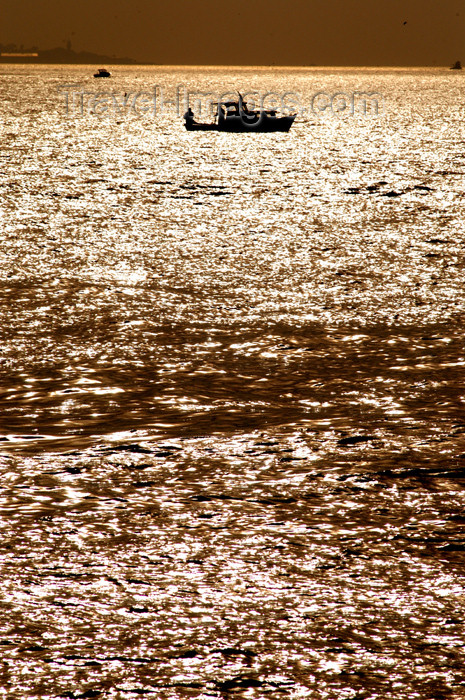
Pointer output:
x,y
11,53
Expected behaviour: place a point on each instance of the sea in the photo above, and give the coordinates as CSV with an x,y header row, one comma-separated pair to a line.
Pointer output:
x,y
232,407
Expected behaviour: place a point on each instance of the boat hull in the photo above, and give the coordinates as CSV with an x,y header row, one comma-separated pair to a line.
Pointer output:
x,y
240,125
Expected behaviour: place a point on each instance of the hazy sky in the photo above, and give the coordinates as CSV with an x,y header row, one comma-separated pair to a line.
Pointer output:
x,y
259,32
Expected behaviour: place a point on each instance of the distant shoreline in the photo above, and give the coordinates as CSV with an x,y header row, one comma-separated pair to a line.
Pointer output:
x,y
105,61
12,54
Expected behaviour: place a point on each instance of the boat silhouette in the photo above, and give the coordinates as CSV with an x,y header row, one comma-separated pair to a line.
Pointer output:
x,y
102,73
235,116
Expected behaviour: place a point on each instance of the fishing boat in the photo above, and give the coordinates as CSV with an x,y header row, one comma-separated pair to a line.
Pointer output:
x,y
235,116
102,73
457,66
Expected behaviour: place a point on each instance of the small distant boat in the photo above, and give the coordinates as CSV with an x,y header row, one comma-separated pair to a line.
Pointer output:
x,y
457,66
235,116
102,73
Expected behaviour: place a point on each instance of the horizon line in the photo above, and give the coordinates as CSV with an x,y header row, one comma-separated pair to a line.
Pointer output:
x,y
230,66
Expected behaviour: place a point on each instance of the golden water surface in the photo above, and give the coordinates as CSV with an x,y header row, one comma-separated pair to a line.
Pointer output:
x,y
232,431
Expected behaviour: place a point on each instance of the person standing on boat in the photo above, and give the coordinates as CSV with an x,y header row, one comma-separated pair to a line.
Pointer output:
x,y
189,117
